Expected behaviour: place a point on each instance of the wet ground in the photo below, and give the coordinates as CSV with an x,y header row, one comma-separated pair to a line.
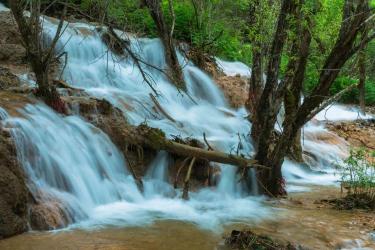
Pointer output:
x,y
301,219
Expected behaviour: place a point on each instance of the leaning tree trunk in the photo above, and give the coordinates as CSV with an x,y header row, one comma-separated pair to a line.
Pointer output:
x,y
166,37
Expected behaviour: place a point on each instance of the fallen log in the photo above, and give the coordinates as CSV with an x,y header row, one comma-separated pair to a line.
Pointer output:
x,y
112,122
155,138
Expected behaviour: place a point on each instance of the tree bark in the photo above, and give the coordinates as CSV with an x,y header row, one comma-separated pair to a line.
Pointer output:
x,y
155,139
166,37
39,56
296,116
256,78
362,80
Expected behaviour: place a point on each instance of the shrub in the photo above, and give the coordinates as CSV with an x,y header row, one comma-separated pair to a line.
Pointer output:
x,y
358,177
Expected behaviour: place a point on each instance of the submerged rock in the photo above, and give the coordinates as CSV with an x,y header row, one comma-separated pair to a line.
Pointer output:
x,y
48,215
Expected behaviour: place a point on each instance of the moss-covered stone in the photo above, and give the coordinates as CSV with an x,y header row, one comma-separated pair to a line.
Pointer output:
x,y
155,137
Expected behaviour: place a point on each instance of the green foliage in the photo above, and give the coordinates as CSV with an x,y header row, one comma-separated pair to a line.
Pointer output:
x,y
341,83
358,173
221,28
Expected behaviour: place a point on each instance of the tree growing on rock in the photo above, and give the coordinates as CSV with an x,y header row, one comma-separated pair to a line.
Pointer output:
x,y
294,28
166,36
40,53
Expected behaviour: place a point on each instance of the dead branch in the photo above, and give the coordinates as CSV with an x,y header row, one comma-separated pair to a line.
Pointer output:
x,y
328,101
185,192
160,108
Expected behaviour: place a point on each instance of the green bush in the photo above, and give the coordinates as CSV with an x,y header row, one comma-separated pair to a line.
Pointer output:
x,y
358,173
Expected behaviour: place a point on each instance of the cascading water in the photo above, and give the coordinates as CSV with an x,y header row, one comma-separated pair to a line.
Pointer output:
x,y
94,68
76,162
67,158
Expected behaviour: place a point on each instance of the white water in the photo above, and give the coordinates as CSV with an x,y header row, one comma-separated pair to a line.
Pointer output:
x,y
339,112
234,68
3,8
78,163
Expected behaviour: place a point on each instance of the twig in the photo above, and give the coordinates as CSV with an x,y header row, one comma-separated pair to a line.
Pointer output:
x,y
205,140
160,108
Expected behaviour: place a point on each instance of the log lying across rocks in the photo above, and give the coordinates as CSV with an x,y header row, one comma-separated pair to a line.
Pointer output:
x,y
156,139
123,134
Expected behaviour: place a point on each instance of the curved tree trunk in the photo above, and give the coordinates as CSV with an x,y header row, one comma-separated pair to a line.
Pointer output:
x,y
166,37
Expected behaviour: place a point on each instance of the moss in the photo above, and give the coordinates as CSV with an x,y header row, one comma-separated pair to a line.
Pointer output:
x,y
155,137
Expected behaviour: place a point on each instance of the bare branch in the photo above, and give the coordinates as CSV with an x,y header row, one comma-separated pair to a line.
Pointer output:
x,y
330,100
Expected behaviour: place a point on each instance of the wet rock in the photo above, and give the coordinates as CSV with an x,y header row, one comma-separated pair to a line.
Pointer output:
x,y
235,89
7,79
111,121
203,171
48,215
359,133
13,191
11,49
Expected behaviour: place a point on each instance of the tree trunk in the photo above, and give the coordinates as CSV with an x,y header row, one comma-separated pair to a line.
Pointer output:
x,y
38,57
295,150
362,80
166,38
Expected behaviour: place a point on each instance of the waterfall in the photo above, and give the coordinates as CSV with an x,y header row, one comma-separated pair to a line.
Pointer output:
x,y
93,67
76,162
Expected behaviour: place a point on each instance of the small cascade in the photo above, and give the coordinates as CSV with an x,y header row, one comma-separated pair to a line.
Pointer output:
x,y
71,159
